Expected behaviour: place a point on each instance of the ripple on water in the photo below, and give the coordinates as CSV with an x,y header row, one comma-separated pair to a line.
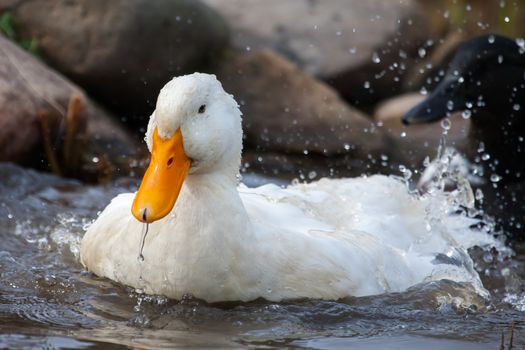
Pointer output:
x,y
43,313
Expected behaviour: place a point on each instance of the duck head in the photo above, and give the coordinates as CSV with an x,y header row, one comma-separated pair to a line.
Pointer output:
x,y
194,130
487,73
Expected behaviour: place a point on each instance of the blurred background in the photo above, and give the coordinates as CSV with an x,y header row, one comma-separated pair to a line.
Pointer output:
x,y
322,84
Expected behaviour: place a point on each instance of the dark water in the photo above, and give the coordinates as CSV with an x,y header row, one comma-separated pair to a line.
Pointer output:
x,y
48,301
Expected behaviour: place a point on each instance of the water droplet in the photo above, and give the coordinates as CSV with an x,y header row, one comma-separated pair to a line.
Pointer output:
x,y
366,85
346,146
450,105
9,216
485,156
248,48
520,42
507,19
500,59
466,114
495,178
516,107
479,194
446,124
352,50
491,39
312,175
422,52
375,58
481,147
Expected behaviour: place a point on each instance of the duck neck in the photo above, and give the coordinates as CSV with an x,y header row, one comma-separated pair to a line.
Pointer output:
x,y
211,201
223,181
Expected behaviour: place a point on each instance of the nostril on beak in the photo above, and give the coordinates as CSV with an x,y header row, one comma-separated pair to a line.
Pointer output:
x,y
144,215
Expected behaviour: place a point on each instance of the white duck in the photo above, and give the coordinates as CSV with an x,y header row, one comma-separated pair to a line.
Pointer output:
x,y
219,241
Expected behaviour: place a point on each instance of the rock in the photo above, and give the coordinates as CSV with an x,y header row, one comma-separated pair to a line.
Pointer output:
x,y
311,167
121,51
429,71
42,115
286,110
363,48
394,108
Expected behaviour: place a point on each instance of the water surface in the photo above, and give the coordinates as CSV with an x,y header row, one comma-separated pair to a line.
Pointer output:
x,y
47,300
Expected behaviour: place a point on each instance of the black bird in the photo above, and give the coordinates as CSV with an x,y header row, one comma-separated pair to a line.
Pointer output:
x,y
486,79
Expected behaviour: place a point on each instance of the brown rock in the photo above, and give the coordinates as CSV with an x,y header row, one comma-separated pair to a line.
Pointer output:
x,y
42,115
394,108
429,71
121,51
363,48
284,109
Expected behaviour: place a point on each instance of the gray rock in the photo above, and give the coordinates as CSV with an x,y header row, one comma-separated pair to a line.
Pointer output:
x,y
286,110
363,48
121,51
34,121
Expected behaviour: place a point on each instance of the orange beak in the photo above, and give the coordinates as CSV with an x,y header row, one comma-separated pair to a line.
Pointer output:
x,y
163,179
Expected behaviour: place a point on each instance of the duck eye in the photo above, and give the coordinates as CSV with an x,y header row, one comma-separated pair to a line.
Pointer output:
x,y
202,109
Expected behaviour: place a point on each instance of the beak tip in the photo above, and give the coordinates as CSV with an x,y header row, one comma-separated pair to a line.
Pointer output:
x,y
140,213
